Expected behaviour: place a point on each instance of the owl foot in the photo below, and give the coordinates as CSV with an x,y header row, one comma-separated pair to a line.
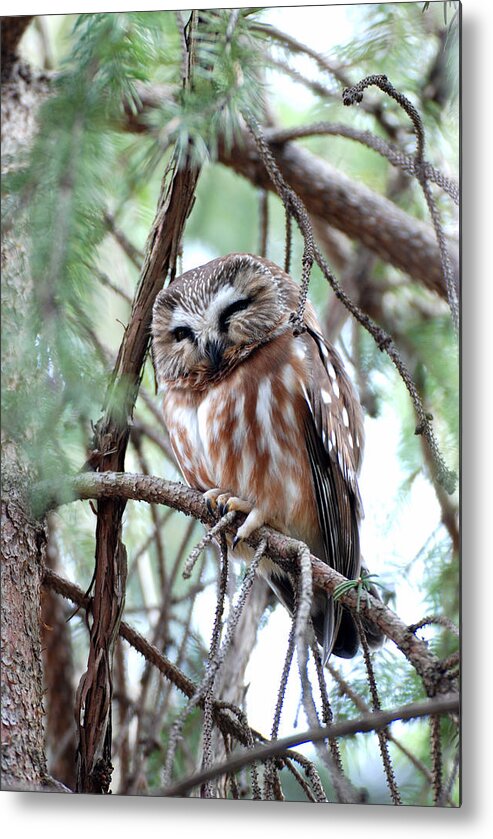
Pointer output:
x,y
253,521
223,502
210,497
217,500
227,503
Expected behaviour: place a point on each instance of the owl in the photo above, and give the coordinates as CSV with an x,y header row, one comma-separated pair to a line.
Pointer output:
x,y
262,421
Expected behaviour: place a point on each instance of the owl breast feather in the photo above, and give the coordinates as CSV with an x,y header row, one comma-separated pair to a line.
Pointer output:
x,y
245,435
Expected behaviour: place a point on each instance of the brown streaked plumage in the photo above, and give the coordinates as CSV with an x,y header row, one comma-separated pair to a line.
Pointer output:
x,y
262,421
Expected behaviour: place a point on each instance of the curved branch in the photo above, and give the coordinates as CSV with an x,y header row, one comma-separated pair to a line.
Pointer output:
x,y
398,158
279,547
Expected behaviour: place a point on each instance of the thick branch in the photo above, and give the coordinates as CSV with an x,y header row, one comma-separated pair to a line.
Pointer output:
x,y
328,194
360,213
189,501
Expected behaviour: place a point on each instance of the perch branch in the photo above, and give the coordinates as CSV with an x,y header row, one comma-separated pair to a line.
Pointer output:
x,y
91,485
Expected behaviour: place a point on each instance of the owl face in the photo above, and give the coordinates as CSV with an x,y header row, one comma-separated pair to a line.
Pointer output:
x,y
211,318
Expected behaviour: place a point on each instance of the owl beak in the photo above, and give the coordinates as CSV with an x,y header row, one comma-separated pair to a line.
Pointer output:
x,y
214,353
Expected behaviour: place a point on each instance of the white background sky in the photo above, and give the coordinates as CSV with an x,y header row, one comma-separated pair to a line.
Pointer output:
x,y
47,815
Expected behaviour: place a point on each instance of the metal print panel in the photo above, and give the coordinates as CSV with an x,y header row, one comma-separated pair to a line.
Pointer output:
x,y
230,259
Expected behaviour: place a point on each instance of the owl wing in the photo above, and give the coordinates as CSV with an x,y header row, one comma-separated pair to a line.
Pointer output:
x,y
334,440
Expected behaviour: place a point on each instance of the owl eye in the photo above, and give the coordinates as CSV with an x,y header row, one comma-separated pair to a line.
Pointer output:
x,y
232,309
183,332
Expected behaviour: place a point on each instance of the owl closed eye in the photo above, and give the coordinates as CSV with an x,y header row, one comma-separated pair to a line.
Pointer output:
x,y
205,318
262,421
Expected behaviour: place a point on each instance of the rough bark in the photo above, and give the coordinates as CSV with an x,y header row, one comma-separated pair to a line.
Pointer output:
x,y
23,539
58,670
23,758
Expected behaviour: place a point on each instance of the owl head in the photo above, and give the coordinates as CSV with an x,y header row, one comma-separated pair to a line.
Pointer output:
x,y
212,317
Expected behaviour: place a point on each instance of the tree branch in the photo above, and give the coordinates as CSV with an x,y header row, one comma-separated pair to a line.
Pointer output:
x,y
353,208
225,721
371,722
279,547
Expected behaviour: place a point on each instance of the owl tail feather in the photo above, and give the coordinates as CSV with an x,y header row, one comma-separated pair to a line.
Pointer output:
x,y
324,616
338,635
346,643
334,627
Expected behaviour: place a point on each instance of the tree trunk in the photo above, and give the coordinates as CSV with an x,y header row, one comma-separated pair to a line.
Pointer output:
x,y
58,667
24,540
23,758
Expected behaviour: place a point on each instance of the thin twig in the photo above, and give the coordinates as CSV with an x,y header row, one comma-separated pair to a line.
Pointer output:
x,y
327,715
440,620
447,788
304,594
133,253
206,540
436,758
371,722
406,162
263,221
382,738
207,790
354,95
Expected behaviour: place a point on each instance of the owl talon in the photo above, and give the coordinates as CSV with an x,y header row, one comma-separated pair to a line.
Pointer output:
x,y
255,519
211,497
235,542
227,503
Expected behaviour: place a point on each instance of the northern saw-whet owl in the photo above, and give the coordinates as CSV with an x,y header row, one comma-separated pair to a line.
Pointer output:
x,y
264,422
